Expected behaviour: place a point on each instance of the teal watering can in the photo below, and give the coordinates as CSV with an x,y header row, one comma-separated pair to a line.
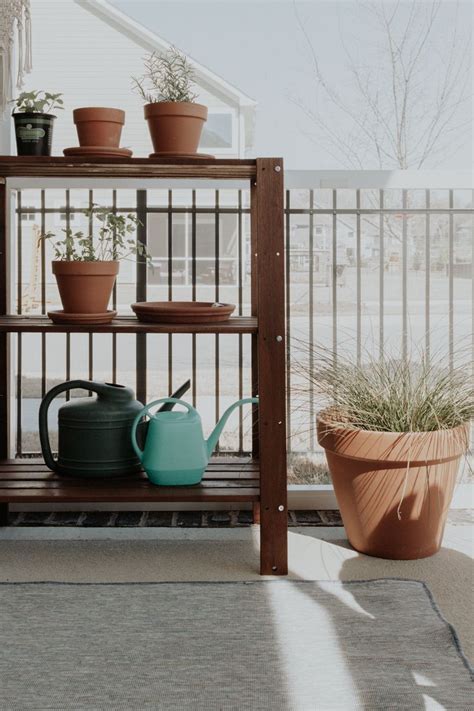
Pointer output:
x,y
175,451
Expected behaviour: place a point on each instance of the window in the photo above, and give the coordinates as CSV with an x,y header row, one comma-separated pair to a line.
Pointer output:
x,y
28,216
219,133
63,215
182,244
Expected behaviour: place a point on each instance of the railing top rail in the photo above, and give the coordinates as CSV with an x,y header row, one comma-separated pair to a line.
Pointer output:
x,y
380,179
143,173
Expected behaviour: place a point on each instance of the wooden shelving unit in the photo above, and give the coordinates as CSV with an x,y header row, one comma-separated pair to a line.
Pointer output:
x,y
261,481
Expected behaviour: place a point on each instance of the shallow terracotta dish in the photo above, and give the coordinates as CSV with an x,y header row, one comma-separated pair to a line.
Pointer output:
x,y
93,319
182,311
98,151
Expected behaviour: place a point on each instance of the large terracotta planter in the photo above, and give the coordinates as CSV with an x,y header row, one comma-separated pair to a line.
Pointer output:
x,y
98,126
175,126
369,473
85,287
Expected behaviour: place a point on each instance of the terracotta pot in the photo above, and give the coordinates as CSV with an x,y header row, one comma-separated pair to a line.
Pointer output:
x,y
98,126
369,473
175,126
85,287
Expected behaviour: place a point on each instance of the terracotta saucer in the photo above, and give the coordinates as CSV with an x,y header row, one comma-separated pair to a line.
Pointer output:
x,y
182,311
99,151
85,319
185,156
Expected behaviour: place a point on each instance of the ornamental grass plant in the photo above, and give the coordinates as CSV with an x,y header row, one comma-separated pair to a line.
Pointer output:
x,y
390,394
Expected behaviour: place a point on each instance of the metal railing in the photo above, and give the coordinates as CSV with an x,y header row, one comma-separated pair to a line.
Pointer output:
x,y
367,269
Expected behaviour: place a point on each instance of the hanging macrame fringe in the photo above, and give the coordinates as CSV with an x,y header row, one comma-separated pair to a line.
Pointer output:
x,y
14,14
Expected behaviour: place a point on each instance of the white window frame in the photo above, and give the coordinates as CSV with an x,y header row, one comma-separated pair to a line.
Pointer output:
x,y
187,257
234,149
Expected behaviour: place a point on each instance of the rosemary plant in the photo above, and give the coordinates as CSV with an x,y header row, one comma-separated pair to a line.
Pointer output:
x,y
167,77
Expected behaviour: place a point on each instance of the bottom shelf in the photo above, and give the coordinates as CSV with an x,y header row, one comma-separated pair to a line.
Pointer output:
x,y
30,481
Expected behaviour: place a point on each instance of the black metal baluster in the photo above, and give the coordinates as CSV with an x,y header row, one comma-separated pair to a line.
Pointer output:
x,y
19,394
114,297
193,297
170,285
43,292
216,276
141,294
312,419
240,300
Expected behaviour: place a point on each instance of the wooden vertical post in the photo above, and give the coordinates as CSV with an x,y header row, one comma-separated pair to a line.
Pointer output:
x,y
254,313
4,375
267,218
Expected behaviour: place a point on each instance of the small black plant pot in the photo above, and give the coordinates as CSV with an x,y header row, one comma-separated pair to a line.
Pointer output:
x,y
34,133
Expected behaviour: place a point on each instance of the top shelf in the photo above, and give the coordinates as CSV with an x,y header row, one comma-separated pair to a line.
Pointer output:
x,y
59,167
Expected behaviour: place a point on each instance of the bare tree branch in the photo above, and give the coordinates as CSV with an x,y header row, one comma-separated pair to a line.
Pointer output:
x,y
406,100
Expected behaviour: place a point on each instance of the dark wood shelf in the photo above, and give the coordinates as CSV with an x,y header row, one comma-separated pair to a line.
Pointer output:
x,y
58,167
30,481
124,324
263,484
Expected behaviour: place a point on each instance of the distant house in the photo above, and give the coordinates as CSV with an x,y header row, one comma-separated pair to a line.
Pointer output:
x,y
89,50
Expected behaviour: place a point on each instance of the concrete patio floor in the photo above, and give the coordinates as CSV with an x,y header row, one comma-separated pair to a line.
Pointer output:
x,y
186,554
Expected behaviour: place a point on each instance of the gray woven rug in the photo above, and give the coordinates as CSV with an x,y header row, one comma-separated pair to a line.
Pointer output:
x,y
263,645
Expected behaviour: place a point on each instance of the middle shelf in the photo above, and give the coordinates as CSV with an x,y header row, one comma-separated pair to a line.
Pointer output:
x,y
14,323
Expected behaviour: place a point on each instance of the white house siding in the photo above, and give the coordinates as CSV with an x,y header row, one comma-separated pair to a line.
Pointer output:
x,y
91,63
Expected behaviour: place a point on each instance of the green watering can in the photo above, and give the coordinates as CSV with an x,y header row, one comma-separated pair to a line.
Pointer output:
x,y
94,433
175,452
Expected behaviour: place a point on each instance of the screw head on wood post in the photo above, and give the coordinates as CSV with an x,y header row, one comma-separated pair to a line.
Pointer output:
x,y
279,339
277,168
281,507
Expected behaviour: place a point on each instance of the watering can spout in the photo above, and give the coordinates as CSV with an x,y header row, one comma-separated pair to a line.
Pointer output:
x,y
217,431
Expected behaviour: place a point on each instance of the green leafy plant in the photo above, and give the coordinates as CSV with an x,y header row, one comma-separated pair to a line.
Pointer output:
x,y
37,102
113,241
167,77
391,394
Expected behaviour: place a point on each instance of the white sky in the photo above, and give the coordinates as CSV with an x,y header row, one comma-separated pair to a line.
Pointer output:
x,y
258,46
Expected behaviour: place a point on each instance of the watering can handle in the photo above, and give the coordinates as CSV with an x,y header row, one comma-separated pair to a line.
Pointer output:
x,y
43,414
146,411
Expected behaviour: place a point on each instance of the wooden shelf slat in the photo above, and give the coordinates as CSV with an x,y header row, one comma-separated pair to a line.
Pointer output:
x,y
124,324
61,167
215,478
239,466
235,480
